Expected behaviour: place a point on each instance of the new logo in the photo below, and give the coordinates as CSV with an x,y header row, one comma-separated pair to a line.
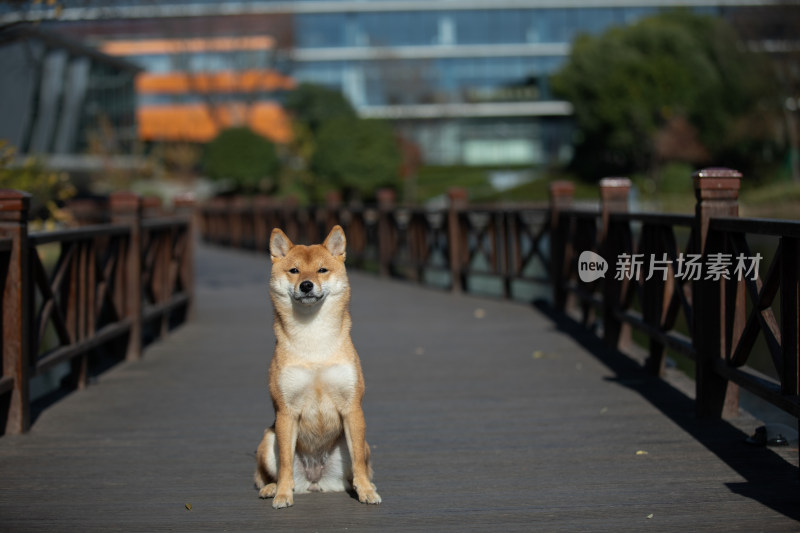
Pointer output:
x,y
591,266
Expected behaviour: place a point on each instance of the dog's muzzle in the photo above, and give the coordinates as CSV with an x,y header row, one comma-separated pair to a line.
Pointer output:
x,y
307,295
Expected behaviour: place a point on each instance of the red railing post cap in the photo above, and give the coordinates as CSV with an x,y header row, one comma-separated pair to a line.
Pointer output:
x,y
716,183
14,205
717,178
184,199
333,198
613,189
385,197
124,201
14,200
151,201
615,182
561,188
717,172
457,194
262,200
240,202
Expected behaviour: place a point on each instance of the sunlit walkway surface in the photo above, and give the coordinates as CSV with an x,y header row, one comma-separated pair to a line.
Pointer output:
x,y
482,415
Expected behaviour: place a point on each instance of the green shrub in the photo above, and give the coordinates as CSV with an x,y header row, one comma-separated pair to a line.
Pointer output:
x,y
48,189
242,156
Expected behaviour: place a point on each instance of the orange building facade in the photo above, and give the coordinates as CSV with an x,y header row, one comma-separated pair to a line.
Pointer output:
x,y
192,88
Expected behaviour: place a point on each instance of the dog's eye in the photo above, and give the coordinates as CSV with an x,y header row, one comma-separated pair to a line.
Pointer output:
x,y
294,270
322,270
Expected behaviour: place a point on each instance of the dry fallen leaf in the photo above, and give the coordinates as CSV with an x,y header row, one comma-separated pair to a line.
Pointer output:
x,y
188,506
650,516
538,354
641,452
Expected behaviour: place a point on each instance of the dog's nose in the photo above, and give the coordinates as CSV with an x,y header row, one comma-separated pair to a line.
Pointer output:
x,y
306,286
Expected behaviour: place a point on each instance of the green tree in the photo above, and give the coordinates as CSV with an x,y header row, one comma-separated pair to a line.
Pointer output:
x,y
356,156
247,159
673,87
334,149
314,105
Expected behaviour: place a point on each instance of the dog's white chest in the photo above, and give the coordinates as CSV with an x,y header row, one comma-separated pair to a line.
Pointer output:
x,y
303,387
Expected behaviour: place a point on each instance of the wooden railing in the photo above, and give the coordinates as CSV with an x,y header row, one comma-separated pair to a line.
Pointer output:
x,y
71,291
712,320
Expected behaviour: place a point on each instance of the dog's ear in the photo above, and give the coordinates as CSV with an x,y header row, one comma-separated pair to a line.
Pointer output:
x,y
336,243
279,245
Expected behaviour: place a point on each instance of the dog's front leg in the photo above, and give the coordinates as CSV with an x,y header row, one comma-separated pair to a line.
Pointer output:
x,y
286,433
355,433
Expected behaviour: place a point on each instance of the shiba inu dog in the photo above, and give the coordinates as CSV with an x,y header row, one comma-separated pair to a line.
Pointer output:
x,y
317,441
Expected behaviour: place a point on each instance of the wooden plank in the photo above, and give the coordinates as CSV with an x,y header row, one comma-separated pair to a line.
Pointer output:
x,y
756,226
37,238
657,219
504,420
164,223
760,385
66,353
151,312
675,340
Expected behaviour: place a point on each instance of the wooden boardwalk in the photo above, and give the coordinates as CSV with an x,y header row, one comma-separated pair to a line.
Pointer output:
x,y
483,415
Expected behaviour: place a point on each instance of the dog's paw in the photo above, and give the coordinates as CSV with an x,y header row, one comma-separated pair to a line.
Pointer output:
x,y
368,495
268,491
282,500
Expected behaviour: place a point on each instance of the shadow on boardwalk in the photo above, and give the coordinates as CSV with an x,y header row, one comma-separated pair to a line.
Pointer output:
x,y
768,477
482,415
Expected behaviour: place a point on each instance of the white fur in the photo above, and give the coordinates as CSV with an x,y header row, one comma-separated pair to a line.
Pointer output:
x,y
336,473
316,331
341,378
297,386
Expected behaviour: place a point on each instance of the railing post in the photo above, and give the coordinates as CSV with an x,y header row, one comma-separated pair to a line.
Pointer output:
x,y
185,206
87,211
152,206
261,229
219,224
614,193
455,238
717,194
561,193
790,321
126,208
17,299
333,206
386,199
238,206
291,218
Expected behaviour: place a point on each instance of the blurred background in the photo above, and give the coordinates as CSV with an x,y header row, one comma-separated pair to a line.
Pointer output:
x,y
308,98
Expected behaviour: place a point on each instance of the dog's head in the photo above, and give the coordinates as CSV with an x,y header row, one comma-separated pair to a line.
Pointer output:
x,y
307,275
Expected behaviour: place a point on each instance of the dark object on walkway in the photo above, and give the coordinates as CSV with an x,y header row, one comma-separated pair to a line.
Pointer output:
x,y
762,437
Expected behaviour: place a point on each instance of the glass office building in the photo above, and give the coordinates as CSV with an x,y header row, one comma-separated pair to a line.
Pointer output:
x,y
56,94
467,81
